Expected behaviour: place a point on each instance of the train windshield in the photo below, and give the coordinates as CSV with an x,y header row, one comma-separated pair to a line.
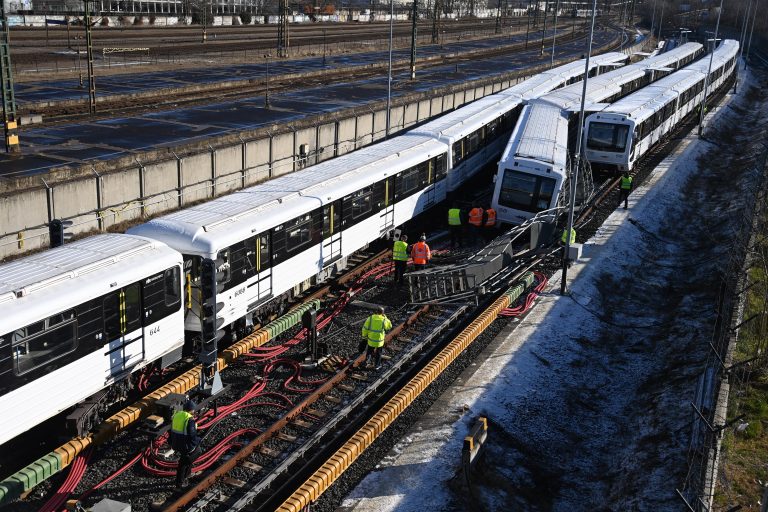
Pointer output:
x,y
526,192
607,137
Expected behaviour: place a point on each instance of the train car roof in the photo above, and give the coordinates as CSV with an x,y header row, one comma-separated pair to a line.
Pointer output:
x,y
211,226
465,120
71,270
543,135
642,104
468,118
608,84
548,81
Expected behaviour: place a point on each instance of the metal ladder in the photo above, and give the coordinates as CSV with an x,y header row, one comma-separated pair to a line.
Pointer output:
x,y
10,121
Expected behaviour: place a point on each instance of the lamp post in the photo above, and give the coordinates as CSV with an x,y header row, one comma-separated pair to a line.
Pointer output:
x,y
653,18
744,26
574,170
266,83
389,77
709,70
544,27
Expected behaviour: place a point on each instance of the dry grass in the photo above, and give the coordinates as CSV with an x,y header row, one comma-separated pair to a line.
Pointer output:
x,y
744,468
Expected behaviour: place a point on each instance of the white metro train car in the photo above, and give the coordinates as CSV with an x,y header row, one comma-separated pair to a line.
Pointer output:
x,y
81,319
619,135
536,159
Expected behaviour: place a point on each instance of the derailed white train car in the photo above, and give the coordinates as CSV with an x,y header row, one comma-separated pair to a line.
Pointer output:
x,y
79,320
622,133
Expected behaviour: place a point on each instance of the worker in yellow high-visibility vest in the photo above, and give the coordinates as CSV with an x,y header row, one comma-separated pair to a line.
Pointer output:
x,y
184,440
454,225
400,257
625,187
375,332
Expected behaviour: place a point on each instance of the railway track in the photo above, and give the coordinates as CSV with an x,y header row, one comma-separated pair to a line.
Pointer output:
x,y
56,112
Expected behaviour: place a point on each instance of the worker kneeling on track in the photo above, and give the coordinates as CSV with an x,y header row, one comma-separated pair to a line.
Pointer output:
x,y
374,332
184,439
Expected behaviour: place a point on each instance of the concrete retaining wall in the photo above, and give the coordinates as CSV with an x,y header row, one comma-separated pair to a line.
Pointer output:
x,y
106,197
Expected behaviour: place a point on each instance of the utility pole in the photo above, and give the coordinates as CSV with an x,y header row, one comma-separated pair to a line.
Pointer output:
x,y
576,157
653,18
205,20
751,31
414,19
389,78
89,58
282,29
544,27
703,105
10,121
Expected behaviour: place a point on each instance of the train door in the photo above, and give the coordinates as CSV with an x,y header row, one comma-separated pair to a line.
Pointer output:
x,y
387,214
263,266
123,328
331,233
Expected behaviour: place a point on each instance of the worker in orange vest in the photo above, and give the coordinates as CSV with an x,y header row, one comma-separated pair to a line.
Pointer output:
x,y
476,221
489,224
420,253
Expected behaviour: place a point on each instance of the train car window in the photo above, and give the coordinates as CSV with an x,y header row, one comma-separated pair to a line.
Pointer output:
x,y
526,192
407,182
359,204
264,252
607,137
173,286
225,268
440,167
242,262
492,129
112,327
90,325
474,142
458,152
159,300
298,233
54,341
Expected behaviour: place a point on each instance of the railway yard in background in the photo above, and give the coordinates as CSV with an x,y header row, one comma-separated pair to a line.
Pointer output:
x,y
215,218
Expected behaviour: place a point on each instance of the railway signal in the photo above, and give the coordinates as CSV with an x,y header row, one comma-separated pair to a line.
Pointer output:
x,y
57,231
212,277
